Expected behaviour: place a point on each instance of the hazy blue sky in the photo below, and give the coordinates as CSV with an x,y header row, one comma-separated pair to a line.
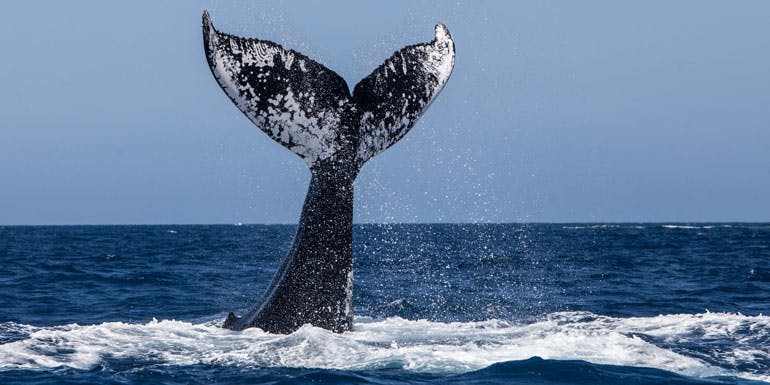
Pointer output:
x,y
556,111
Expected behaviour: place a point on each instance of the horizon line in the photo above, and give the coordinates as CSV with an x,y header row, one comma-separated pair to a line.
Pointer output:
x,y
400,223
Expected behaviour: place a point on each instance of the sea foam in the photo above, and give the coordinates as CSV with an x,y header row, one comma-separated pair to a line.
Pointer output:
x,y
415,345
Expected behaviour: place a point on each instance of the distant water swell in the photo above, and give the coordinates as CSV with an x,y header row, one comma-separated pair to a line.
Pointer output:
x,y
700,346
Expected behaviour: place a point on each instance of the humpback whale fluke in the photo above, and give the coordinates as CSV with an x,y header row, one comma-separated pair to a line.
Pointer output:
x,y
309,109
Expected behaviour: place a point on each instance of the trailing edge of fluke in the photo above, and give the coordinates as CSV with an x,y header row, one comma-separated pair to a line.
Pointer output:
x,y
310,110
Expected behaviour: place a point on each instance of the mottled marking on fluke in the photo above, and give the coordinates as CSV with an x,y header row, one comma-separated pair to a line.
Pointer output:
x,y
310,110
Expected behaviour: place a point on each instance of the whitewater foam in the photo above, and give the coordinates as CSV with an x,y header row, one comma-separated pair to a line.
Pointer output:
x,y
420,346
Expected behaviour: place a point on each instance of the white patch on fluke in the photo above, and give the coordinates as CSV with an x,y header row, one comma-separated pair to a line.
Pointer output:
x,y
427,68
289,121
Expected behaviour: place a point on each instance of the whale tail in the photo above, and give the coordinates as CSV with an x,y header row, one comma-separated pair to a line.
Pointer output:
x,y
310,110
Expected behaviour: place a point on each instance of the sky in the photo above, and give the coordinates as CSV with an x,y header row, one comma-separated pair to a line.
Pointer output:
x,y
566,111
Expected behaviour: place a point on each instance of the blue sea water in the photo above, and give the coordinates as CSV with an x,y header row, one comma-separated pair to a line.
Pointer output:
x,y
444,304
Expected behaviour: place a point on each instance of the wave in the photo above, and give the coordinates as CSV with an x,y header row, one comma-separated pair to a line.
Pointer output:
x,y
697,345
640,227
691,227
597,226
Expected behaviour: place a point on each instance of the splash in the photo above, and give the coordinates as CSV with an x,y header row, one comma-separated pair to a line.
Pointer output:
x,y
699,345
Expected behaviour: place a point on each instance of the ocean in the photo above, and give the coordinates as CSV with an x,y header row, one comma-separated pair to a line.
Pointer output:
x,y
648,303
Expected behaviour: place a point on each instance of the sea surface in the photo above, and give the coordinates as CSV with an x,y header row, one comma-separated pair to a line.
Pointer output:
x,y
650,303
